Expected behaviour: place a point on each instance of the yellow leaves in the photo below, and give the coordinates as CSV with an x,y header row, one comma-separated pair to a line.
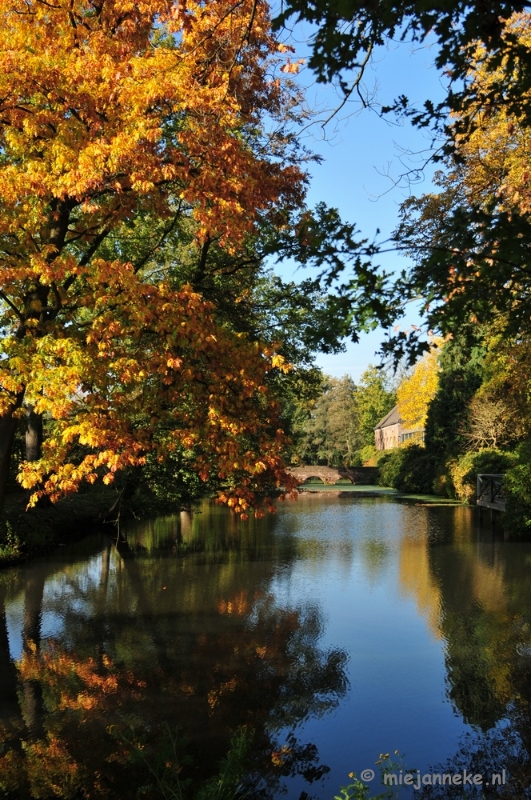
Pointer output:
x,y
280,363
416,391
99,123
292,67
495,154
90,119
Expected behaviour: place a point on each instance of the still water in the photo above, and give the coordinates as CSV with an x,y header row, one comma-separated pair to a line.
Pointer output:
x,y
336,630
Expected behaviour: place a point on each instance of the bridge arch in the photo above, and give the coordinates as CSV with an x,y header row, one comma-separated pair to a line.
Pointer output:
x,y
332,475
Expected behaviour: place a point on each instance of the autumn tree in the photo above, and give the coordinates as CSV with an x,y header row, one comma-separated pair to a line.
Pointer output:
x,y
469,240
498,413
111,111
417,390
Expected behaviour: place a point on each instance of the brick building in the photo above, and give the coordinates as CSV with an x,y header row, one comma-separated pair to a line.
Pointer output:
x,y
391,433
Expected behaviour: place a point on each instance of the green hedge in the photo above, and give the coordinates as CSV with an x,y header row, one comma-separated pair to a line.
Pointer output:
x,y
408,469
517,490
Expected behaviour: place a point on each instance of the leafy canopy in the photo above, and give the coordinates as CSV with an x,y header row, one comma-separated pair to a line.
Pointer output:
x,y
111,112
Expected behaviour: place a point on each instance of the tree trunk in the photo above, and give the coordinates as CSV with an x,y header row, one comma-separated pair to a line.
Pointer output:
x,y
33,435
34,438
8,427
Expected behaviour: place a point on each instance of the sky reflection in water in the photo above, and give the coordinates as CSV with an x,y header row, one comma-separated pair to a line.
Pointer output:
x,y
355,625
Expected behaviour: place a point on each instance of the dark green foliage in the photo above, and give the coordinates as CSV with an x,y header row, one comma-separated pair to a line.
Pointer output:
x,y
331,433
408,469
163,487
461,375
446,235
331,421
227,785
517,490
17,456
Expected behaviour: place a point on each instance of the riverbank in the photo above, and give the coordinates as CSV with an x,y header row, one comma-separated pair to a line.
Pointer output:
x,y
34,532
345,490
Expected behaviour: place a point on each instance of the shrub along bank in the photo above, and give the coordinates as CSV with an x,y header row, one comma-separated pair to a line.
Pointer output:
x,y
478,421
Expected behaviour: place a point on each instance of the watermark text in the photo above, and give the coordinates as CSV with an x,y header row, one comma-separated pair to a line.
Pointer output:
x,y
415,779
464,778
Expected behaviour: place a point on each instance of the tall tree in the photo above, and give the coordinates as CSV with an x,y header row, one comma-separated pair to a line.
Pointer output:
x,y
461,363
332,431
108,111
374,399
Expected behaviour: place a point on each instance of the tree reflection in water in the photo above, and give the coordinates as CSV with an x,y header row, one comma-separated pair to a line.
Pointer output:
x,y
485,595
106,730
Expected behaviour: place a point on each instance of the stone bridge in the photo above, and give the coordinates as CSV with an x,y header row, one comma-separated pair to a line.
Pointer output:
x,y
331,475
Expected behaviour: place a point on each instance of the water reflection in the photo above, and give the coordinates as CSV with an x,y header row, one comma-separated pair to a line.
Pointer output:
x,y
164,643
139,655
474,589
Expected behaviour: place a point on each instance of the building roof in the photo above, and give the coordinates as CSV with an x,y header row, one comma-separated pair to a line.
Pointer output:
x,y
392,418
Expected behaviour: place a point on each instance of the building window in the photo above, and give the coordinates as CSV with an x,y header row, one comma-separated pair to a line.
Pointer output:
x,y
417,436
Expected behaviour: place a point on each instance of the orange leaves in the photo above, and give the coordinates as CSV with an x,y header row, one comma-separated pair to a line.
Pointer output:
x,y
159,351
89,118
80,696
149,110
292,67
63,671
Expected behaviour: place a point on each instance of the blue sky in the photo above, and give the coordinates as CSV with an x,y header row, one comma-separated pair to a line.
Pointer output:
x,y
360,151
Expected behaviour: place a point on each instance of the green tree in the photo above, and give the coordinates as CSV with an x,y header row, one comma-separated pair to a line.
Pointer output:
x,y
408,469
374,399
332,431
460,376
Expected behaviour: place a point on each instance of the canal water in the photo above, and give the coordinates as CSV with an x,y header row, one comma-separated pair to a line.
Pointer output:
x,y
310,642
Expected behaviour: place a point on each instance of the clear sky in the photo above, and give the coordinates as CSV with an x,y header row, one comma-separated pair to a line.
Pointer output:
x,y
360,151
